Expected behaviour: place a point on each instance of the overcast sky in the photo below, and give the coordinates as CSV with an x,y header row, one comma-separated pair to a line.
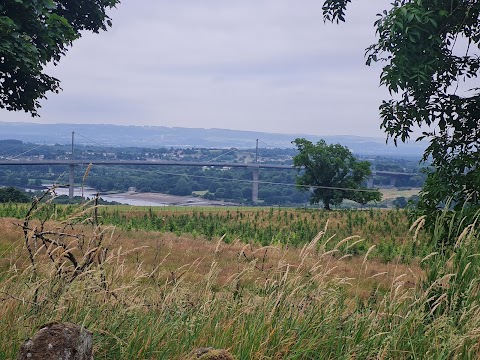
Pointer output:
x,y
260,65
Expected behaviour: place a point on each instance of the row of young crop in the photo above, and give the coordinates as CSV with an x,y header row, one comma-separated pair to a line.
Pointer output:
x,y
387,229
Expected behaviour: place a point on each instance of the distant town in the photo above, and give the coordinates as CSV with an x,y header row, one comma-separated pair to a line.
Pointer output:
x,y
276,186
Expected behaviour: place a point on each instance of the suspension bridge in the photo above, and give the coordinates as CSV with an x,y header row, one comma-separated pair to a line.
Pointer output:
x,y
254,166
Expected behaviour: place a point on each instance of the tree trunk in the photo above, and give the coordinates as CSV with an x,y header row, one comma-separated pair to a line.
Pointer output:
x,y
326,204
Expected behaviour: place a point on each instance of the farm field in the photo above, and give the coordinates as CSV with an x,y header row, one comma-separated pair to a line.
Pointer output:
x,y
388,230
392,193
263,283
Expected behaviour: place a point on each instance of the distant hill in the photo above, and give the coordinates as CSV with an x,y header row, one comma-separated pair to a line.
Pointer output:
x,y
160,136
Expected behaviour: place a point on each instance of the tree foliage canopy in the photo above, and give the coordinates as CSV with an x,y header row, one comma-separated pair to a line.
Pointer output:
x,y
12,194
332,172
34,33
430,55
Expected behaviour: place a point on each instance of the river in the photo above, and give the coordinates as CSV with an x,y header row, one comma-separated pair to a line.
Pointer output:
x,y
142,199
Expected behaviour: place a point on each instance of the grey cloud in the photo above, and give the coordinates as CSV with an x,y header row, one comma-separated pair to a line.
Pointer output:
x,y
267,65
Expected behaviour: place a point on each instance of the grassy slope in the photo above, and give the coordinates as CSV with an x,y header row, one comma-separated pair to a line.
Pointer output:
x,y
157,295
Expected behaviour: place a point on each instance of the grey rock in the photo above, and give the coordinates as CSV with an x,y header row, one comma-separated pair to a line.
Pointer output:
x,y
210,354
58,341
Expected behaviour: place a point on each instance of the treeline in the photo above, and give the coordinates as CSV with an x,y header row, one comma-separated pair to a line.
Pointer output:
x,y
13,195
276,186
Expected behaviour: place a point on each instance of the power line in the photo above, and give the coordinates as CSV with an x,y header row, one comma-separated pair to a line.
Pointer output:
x,y
259,182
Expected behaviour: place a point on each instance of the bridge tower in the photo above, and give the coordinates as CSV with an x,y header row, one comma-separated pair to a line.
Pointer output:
x,y
71,177
370,182
255,178
71,181
255,185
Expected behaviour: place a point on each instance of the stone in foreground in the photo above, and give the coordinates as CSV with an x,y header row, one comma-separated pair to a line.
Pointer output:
x,y
210,354
57,341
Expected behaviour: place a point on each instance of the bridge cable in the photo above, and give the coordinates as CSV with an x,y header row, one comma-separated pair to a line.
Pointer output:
x,y
25,152
270,146
232,150
93,141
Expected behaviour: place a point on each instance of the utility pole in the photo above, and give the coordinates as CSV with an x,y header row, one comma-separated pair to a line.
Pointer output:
x,y
255,178
71,178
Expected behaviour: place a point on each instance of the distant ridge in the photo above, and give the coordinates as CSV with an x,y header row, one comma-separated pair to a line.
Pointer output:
x,y
161,136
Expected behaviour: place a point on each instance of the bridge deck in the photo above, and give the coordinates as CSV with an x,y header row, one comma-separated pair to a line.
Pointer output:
x,y
174,163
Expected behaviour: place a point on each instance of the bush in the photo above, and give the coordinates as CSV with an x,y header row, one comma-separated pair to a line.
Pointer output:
x,y
12,194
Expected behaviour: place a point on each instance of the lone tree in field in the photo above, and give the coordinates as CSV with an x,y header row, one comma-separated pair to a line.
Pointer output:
x,y
332,173
430,55
34,33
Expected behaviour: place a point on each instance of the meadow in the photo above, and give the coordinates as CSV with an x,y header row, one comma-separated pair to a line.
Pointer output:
x,y
386,229
263,283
